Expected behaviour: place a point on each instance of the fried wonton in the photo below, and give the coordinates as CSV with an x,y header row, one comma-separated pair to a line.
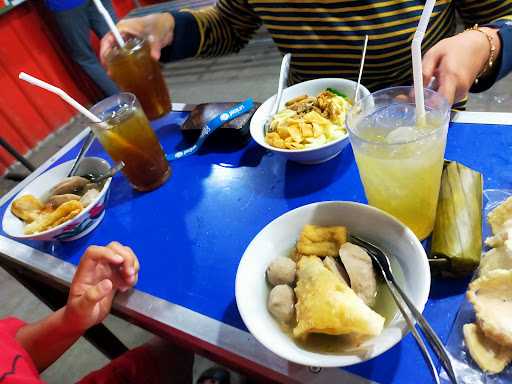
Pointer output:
x,y
27,208
326,305
320,241
47,220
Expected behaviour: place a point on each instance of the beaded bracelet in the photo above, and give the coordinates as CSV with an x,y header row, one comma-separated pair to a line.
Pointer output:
x,y
492,51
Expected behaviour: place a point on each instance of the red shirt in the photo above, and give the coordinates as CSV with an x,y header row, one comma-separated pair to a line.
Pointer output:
x,y
16,366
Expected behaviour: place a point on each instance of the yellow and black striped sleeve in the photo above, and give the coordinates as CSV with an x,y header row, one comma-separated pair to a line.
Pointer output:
x,y
223,28
326,36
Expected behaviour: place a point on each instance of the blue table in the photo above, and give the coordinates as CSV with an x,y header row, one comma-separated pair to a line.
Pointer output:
x,y
190,234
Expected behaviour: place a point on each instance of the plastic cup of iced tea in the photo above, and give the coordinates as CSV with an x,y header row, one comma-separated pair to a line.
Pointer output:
x,y
134,70
126,135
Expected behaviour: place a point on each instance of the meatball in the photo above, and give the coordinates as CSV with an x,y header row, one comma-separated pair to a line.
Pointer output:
x,y
281,301
281,271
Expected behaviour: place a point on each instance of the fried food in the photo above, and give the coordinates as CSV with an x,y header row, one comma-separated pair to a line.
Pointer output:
x,y
499,239
55,201
491,296
500,218
497,258
308,121
490,356
47,220
27,208
359,267
320,241
326,305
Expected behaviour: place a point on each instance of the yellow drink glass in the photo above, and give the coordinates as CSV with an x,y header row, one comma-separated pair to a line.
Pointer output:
x,y
400,162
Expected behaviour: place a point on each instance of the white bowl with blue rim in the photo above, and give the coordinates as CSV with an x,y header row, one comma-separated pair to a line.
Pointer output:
x,y
278,238
314,155
78,226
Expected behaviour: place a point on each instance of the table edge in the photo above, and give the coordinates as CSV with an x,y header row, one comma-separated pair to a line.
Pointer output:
x,y
141,306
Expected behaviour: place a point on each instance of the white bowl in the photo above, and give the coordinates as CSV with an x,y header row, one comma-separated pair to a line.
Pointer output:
x,y
312,88
78,226
279,237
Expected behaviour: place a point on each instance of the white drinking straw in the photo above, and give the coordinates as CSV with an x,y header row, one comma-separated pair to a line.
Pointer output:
x,y
110,22
361,69
416,61
75,104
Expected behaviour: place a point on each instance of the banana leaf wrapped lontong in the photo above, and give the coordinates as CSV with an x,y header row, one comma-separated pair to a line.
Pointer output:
x,y
457,237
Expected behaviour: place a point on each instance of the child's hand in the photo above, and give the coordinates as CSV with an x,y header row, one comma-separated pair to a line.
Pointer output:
x,y
101,272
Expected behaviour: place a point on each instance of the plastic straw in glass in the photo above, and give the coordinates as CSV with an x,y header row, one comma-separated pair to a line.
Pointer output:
x,y
416,61
110,22
361,69
51,88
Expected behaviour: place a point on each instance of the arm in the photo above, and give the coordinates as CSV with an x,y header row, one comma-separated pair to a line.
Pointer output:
x,y
496,17
46,340
456,62
218,30
224,28
101,272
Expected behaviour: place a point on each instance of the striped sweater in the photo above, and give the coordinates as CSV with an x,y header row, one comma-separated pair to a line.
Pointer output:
x,y
326,36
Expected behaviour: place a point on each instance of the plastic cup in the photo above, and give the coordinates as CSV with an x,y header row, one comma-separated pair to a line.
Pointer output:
x,y
134,70
400,163
126,135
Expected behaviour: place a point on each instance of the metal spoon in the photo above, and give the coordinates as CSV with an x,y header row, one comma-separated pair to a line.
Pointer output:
x,y
382,261
85,147
111,172
283,80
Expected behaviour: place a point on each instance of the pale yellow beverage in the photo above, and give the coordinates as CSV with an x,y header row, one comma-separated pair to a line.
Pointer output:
x,y
400,163
404,182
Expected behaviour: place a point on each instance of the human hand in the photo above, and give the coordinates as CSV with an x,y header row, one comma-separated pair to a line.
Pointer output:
x,y
101,272
458,60
157,29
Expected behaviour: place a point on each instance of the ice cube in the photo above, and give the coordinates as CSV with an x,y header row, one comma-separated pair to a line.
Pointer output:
x,y
402,135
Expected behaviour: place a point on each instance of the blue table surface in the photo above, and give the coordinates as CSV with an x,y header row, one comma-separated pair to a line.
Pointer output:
x,y
191,233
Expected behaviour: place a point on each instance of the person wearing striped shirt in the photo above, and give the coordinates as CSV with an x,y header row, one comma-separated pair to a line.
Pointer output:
x,y
325,38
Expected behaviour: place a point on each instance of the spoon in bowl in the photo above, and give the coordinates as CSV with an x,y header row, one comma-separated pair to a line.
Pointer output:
x,y
283,80
381,261
110,173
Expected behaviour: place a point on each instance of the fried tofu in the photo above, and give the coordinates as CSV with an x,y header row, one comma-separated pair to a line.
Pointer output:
x,y
27,208
47,220
320,241
326,305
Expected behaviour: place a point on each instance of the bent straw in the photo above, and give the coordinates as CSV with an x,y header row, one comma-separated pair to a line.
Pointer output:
x,y
416,61
59,92
361,69
120,141
110,22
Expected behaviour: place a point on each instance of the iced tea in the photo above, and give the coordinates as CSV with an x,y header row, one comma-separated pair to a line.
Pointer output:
x,y
134,70
126,135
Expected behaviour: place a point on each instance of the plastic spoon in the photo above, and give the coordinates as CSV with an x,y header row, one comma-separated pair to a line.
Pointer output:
x,y
283,80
